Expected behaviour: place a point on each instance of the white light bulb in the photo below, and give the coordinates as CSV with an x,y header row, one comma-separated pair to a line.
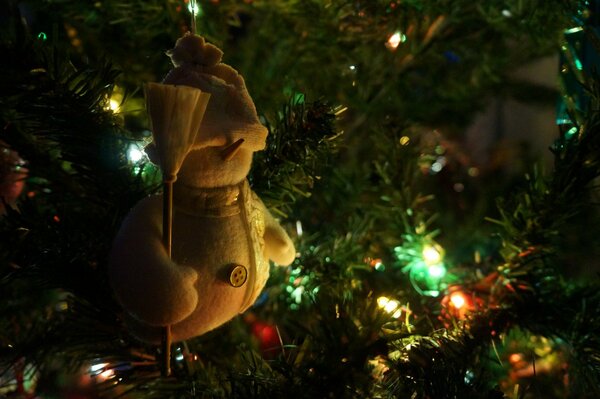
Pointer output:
x,y
114,105
97,367
436,271
431,255
194,8
299,229
394,41
134,154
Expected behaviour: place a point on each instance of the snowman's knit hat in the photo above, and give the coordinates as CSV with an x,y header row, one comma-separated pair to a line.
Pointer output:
x,y
230,111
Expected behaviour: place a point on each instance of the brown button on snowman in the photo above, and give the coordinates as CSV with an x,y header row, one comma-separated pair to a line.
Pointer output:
x,y
223,236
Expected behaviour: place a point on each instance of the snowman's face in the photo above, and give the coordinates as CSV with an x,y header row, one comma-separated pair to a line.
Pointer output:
x,y
214,166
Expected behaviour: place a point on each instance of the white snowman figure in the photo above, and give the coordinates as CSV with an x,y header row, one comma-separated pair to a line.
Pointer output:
x,y
223,235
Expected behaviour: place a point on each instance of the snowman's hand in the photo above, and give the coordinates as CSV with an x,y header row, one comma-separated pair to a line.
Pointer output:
x,y
149,285
278,245
176,294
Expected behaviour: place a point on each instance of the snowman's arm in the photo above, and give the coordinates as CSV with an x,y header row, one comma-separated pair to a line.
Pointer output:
x,y
149,285
278,245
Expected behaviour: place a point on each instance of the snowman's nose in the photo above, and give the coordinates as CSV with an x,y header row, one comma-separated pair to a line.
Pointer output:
x,y
229,152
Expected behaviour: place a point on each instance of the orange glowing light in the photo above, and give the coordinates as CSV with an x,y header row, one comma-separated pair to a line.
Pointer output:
x,y
458,300
515,358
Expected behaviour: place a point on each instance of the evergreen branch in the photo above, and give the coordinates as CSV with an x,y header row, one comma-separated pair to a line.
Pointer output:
x,y
530,281
72,144
298,149
532,224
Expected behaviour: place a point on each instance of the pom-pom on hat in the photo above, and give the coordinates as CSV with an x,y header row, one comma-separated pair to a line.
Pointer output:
x,y
192,49
230,114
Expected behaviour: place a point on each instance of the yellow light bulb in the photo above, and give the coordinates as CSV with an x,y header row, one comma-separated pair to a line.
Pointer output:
x,y
114,105
390,306
382,301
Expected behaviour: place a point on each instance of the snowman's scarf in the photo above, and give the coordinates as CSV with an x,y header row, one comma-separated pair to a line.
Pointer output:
x,y
229,201
215,202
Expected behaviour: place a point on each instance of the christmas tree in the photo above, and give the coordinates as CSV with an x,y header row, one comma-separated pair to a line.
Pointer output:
x,y
437,257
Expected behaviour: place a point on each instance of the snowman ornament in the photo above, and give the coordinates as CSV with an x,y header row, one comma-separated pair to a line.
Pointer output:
x,y
223,235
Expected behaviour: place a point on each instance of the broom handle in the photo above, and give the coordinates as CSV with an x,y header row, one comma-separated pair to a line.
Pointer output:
x,y
168,216
193,4
167,241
